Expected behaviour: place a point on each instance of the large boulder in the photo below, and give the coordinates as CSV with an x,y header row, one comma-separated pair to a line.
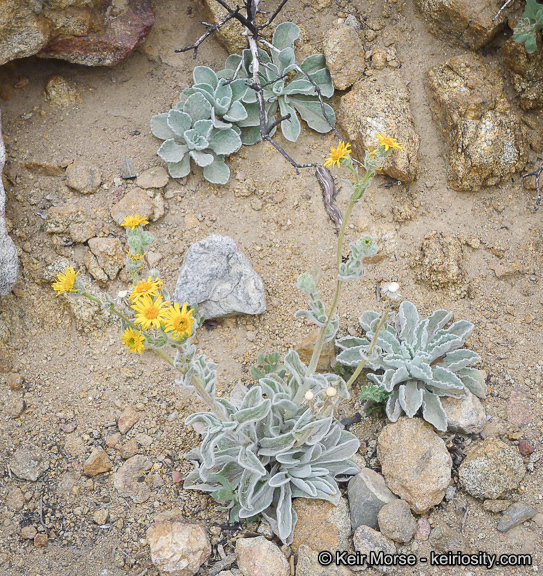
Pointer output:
x,y
486,142
9,263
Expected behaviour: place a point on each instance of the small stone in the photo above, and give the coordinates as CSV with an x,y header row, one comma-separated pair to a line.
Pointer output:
x,y
83,177
17,408
445,539
97,463
491,469
127,169
144,440
506,269
367,540
328,355
28,532
29,462
344,54
464,415
518,410
15,499
113,440
127,419
217,276
109,255
129,449
367,494
155,177
379,59
525,447
396,521
129,480
178,548
496,505
101,516
15,381
61,92
47,168
440,260
516,514
423,529
135,202
308,565
260,557
41,540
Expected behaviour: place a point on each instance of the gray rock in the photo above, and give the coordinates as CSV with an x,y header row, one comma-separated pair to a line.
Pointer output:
x,y
155,177
218,277
366,540
445,539
308,565
464,415
29,462
491,469
9,262
516,514
396,521
367,494
260,557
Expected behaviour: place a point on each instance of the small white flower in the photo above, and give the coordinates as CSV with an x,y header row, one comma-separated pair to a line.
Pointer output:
x,y
331,391
309,395
391,291
122,294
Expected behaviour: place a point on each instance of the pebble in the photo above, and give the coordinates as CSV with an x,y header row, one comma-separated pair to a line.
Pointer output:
x,y
29,462
101,516
518,410
15,499
127,479
15,381
155,177
28,532
134,202
113,439
127,169
423,529
17,408
260,557
516,514
464,415
366,540
83,177
127,419
396,521
129,449
97,463
109,253
41,540
496,505
177,547
445,539
61,92
525,447
367,493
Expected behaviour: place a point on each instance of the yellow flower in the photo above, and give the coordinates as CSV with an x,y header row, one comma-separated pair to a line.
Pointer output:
x,y
337,154
133,221
178,321
133,340
147,287
66,281
148,312
388,142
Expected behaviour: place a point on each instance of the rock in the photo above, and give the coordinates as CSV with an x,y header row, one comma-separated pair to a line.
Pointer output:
x,y
260,557
28,532
129,449
367,494
29,462
381,105
125,27
415,463
516,514
101,516
344,54
134,202
308,565
17,408
486,142
439,260
15,499
83,177
127,169
445,539
129,479
473,23
305,351
321,525
97,463
464,415
491,469
9,261
366,540
177,547
423,529
22,31
379,59
113,440
525,447
230,35
526,72
45,167
61,93
396,521
109,255
127,419
155,177
15,381
218,277
79,223
41,540
75,446
518,410
496,505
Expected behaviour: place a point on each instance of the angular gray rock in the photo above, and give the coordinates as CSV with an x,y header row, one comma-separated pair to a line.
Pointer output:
x,y
396,521
218,277
464,415
491,469
367,493
366,540
445,539
9,262
29,462
516,514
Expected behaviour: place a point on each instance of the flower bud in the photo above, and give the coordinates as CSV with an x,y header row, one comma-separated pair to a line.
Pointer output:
x,y
309,395
331,391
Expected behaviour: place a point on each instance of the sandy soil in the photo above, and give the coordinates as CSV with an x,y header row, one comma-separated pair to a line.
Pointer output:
x,y
278,219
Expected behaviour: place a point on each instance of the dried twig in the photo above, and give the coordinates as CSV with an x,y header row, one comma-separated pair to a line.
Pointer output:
x,y
501,10
329,193
537,174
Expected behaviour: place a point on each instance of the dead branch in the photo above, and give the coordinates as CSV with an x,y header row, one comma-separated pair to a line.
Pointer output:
x,y
329,193
537,174
501,10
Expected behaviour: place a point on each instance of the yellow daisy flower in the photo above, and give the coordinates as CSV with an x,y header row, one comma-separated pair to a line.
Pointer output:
x,y
133,221
178,321
133,340
147,287
148,312
66,281
388,142
337,154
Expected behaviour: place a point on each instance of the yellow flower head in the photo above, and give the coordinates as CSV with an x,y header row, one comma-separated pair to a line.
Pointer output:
x,y
147,287
388,142
133,340
337,154
133,221
66,281
148,312
178,321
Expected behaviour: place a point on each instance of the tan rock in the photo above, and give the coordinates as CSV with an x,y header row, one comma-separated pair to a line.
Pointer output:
x,y
230,35
135,202
97,463
260,557
129,449
128,479
100,516
127,419
15,381
464,415
155,177
381,105
440,260
109,254
305,351
79,223
61,92
15,499
83,177
178,548
41,540
28,532
47,168
344,55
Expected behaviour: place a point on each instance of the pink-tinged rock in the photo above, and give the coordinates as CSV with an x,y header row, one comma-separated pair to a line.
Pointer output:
x,y
127,419
97,463
260,557
177,547
518,410
423,529
124,31
129,480
525,447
